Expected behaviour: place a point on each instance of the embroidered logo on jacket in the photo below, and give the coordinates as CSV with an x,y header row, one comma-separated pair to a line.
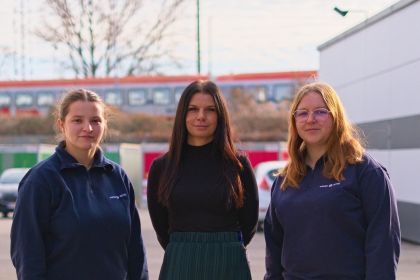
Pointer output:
x,y
330,185
118,196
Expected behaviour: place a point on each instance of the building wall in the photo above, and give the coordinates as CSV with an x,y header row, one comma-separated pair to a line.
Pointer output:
x,y
375,68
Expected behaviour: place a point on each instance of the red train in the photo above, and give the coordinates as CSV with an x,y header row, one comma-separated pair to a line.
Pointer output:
x,y
148,94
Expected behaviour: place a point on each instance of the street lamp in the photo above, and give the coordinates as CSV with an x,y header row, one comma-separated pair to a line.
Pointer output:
x,y
343,13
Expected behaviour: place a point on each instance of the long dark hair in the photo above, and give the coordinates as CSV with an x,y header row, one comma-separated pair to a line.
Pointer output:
x,y
222,144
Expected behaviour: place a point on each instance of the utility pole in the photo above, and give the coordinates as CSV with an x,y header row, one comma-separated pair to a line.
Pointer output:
x,y
198,39
209,65
22,40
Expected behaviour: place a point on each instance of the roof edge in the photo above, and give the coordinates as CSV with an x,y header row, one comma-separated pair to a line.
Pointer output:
x,y
369,21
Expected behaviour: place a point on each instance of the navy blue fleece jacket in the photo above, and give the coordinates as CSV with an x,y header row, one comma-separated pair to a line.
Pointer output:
x,y
74,223
334,230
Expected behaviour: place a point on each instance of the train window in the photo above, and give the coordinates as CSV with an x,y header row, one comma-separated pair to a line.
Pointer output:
x,y
99,92
137,97
233,91
24,99
281,92
259,93
46,99
178,93
5,100
161,96
224,90
113,98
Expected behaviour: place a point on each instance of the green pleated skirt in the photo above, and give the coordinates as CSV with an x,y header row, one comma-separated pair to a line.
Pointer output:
x,y
205,256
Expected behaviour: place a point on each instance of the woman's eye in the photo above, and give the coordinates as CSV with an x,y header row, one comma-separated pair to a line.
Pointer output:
x,y
322,112
192,109
302,114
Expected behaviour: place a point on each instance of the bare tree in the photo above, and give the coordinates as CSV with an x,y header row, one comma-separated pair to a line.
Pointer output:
x,y
110,37
5,55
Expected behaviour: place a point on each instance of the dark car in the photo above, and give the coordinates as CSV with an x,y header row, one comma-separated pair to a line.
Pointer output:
x,y
9,182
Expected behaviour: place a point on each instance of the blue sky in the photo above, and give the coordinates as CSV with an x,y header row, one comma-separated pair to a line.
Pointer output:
x,y
238,36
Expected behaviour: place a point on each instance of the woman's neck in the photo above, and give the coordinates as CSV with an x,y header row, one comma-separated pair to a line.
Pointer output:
x,y
313,155
198,142
82,156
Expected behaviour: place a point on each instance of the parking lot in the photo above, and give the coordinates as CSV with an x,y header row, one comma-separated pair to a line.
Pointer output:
x,y
409,268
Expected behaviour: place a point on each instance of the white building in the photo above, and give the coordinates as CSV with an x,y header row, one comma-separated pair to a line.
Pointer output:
x,y
375,68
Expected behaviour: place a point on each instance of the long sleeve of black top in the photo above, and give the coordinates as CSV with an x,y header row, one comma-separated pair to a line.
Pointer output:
x,y
158,212
248,214
199,198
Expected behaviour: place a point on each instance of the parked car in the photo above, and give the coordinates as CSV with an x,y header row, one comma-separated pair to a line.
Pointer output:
x,y
265,175
9,182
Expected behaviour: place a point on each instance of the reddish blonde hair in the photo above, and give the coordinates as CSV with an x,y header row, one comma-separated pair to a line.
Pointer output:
x,y
343,146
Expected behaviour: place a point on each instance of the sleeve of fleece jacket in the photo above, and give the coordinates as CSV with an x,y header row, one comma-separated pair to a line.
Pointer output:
x,y
137,264
383,230
30,227
158,213
248,214
273,233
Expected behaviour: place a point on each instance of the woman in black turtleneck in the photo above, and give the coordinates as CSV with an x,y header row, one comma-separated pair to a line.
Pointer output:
x,y
202,195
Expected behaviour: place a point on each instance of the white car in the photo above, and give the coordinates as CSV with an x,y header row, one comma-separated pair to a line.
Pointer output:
x,y
9,183
264,175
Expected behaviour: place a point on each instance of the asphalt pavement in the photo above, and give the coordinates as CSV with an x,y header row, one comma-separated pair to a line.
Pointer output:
x,y
408,269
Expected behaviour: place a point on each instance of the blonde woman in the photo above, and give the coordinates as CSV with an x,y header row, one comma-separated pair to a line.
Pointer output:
x,y
333,213
75,216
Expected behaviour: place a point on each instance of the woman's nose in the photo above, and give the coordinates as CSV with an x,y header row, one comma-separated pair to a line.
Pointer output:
x,y
200,114
311,117
88,126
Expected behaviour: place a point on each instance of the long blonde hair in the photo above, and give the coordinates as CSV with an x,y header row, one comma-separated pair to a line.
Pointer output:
x,y
343,146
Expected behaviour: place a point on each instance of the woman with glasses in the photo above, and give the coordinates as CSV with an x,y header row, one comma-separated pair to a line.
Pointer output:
x,y
202,195
333,213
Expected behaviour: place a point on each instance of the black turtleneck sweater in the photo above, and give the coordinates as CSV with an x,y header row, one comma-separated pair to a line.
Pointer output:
x,y
198,202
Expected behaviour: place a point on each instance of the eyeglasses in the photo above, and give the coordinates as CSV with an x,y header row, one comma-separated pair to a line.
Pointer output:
x,y
320,114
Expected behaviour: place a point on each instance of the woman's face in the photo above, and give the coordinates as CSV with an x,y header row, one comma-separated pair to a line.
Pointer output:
x,y
83,127
201,119
313,121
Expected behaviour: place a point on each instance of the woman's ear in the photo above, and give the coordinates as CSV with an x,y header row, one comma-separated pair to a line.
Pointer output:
x,y
60,125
